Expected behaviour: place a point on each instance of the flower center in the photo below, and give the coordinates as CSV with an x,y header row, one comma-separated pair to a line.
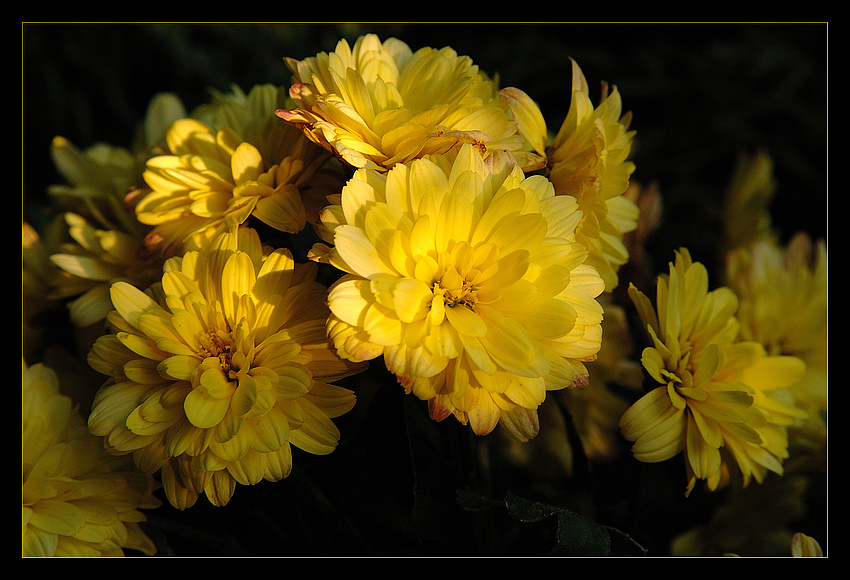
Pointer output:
x,y
456,290
220,345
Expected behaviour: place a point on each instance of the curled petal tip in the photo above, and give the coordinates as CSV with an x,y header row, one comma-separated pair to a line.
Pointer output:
x,y
285,114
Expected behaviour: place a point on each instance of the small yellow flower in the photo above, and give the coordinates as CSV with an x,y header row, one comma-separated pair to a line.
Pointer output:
x,y
379,103
242,162
303,163
724,402
468,282
218,370
588,159
77,500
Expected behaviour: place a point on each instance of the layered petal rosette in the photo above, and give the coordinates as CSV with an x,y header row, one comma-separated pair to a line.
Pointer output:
x,y
468,281
375,104
219,370
77,500
227,165
724,402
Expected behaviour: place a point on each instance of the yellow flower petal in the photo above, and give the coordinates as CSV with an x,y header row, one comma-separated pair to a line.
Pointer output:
x,y
359,253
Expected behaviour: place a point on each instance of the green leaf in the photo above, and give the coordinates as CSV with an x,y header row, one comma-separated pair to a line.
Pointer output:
x,y
576,535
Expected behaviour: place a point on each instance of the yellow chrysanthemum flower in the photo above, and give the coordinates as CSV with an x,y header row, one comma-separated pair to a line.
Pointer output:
x,y
468,282
588,159
249,115
219,173
216,372
77,500
783,297
379,103
724,403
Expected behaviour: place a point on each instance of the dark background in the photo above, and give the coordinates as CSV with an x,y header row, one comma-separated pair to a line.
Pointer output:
x,y
700,94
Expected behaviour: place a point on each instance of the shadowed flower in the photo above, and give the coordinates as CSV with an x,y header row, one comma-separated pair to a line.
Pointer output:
x,y
588,159
746,207
216,372
229,164
596,410
724,402
469,283
783,297
101,182
97,181
92,262
38,275
77,500
379,103
102,241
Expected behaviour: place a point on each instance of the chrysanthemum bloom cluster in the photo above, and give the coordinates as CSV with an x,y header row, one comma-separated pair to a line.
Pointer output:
x,y
588,159
722,401
77,500
379,106
462,270
379,103
224,166
469,282
219,370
